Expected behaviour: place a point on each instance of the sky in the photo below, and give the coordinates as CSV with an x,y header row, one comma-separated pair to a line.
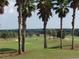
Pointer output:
x,y
9,19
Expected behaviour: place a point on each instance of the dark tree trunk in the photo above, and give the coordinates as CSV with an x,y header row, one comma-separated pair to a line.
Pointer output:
x,y
20,37
19,47
73,21
45,41
61,23
20,28
23,34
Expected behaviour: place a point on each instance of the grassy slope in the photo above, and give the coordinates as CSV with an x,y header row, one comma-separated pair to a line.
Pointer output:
x,y
35,49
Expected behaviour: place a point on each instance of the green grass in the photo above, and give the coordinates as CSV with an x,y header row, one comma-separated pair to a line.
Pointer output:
x,y
35,50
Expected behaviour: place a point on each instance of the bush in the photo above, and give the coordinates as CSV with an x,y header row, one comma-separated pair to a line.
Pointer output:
x,y
12,34
4,35
59,34
30,34
49,32
76,33
7,34
38,34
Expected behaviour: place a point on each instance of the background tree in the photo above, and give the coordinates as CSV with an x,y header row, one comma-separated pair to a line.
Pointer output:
x,y
50,33
44,7
62,10
19,9
27,9
74,5
59,34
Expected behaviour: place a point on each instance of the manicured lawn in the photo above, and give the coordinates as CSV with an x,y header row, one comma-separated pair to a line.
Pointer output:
x,y
35,50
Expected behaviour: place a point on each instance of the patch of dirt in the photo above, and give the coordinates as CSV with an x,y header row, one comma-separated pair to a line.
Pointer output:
x,y
76,47
10,54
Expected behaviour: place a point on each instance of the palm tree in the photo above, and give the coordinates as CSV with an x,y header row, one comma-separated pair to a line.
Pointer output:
x,y
27,9
3,3
44,7
73,5
61,9
19,9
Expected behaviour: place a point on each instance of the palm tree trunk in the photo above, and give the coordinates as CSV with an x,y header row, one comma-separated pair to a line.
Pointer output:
x,y
19,29
61,22
19,48
73,21
23,35
45,41
19,38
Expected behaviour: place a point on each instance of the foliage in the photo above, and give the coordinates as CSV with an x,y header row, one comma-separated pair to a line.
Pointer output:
x,y
3,3
27,7
74,4
6,35
37,34
61,7
52,32
29,34
76,33
44,7
59,34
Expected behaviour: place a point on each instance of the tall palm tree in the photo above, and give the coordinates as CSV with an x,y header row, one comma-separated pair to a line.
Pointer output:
x,y
61,9
27,9
73,5
19,9
44,7
3,3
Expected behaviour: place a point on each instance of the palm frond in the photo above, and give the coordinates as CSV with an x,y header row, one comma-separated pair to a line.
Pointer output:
x,y
62,8
3,3
45,7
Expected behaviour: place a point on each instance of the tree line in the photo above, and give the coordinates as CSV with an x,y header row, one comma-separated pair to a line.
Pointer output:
x,y
44,7
7,34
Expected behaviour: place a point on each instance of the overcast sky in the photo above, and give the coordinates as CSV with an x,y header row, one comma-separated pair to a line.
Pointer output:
x,y
9,19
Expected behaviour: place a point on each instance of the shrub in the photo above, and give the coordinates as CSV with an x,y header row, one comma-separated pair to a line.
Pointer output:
x,y
76,33
7,34
30,34
59,34
38,34
4,35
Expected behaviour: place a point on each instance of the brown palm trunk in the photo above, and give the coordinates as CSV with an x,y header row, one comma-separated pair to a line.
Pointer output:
x,y
23,34
73,21
61,20
19,37
45,41
19,29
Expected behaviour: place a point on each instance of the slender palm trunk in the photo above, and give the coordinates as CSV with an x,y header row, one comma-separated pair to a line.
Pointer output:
x,y
61,22
45,41
19,38
73,22
23,35
19,29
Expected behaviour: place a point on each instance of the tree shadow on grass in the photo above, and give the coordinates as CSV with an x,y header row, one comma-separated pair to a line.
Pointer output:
x,y
56,47
7,50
